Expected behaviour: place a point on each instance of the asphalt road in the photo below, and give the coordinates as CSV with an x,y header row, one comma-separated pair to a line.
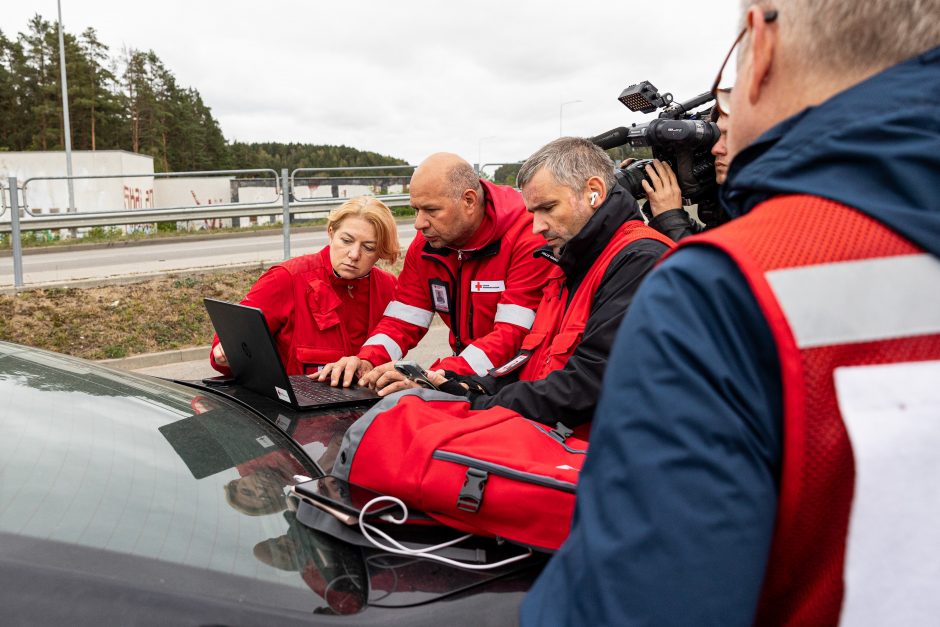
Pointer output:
x,y
121,261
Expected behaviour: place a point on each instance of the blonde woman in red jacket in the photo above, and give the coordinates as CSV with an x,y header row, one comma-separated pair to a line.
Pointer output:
x,y
322,306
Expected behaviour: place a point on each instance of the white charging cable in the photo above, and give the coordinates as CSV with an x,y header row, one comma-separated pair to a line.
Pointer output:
x,y
428,552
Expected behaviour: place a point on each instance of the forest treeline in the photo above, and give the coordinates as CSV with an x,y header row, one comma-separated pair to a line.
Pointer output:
x,y
129,101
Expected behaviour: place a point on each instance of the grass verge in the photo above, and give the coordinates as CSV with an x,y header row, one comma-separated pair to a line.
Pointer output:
x,y
122,320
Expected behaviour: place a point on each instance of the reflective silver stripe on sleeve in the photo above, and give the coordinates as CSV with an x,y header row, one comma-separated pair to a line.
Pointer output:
x,y
515,314
477,359
860,301
394,350
415,315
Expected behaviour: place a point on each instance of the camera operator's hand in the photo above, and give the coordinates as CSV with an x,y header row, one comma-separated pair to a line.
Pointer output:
x,y
664,193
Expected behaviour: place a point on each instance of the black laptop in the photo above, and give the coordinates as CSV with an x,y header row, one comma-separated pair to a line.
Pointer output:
x,y
252,356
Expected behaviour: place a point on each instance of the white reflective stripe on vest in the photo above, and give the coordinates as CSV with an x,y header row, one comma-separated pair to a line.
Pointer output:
x,y
515,314
860,301
477,359
892,415
394,350
415,315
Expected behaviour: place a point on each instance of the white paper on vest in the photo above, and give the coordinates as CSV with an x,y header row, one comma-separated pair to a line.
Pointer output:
x,y
892,570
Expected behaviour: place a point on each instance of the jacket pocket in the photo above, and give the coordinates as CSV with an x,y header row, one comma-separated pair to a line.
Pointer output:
x,y
562,346
532,341
326,320
323,304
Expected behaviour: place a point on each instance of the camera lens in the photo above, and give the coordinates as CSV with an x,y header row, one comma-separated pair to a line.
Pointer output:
x,y
631,177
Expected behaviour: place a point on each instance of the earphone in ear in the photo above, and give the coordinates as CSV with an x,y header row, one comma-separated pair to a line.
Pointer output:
x,y
593,198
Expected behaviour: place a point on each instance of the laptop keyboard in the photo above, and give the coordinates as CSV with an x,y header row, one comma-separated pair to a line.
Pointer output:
x,y
317,392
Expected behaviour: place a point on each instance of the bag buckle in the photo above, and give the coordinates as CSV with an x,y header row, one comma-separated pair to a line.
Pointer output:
x,y
561,432
471,494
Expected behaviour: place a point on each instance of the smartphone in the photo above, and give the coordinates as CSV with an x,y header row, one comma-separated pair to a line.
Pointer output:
x,y
413,371
219,380
342,496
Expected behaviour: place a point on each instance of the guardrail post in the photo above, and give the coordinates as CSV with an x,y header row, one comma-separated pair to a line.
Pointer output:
x,y
15,234
285,193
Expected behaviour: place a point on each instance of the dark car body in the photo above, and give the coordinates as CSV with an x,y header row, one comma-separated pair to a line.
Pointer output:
x,y
130,500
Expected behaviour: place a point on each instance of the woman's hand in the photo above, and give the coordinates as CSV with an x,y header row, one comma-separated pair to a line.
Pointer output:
x,y
218,355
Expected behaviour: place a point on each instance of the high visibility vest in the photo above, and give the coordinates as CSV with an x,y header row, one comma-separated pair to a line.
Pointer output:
x,y
854,309
557,329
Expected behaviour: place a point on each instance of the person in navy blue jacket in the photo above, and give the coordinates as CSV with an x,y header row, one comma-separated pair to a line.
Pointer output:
x,y
678,499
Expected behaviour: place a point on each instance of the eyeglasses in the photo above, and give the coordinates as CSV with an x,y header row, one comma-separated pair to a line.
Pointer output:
x,y
722,95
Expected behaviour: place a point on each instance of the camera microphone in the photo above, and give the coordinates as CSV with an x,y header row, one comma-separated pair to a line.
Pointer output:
x,y
612,138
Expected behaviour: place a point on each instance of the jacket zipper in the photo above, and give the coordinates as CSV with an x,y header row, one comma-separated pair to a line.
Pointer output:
x,y
469,294
504,471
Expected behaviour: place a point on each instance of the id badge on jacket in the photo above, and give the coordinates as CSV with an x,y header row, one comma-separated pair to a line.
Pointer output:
x,y
440,295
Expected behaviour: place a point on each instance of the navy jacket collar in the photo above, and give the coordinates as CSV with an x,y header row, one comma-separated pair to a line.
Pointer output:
x,y
874,147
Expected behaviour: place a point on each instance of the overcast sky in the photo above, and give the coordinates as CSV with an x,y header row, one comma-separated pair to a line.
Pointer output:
x,y
409,78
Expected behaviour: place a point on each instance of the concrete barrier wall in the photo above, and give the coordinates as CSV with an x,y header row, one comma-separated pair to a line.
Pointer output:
x,y
201,191
51,197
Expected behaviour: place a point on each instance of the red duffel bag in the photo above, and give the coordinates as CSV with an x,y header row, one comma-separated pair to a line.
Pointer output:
x,y
488,472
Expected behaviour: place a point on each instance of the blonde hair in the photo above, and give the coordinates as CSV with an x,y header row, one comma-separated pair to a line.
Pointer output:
x,y
376,213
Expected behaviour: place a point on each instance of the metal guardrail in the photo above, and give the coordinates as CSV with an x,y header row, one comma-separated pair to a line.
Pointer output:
x,y
282,203
293,175
202,212
156,175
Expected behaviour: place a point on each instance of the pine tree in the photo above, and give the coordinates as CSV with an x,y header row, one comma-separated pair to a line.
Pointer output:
x,y
40,83
132,103
91,84
8,95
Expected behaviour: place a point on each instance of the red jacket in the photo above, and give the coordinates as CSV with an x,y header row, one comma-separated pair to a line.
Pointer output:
x,y
857,343
486,293
311,323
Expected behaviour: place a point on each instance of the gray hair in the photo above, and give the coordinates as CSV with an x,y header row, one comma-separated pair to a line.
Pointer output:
x,y
831,37
462,177
571,161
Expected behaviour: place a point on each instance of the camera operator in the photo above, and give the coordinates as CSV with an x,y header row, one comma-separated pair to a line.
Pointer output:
x,y
665,197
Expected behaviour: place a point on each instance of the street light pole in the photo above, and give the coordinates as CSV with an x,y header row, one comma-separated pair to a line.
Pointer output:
x,y
561,114
65,113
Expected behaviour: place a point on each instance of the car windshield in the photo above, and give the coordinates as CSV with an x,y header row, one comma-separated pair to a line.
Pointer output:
x,y
134,483
108,465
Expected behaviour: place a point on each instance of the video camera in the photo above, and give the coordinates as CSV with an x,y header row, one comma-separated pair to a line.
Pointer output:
x,y
679,136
